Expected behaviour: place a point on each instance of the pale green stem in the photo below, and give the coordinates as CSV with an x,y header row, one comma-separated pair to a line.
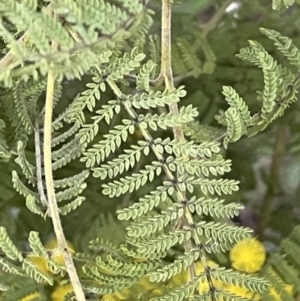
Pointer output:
x,y
52,202
167,74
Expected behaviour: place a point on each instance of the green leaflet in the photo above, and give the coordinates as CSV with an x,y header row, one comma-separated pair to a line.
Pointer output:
x,y
280,89
279,4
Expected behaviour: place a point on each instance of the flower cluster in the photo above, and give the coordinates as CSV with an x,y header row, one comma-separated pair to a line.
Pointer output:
x,y
146,290
54,253
249,256
60,291
246,256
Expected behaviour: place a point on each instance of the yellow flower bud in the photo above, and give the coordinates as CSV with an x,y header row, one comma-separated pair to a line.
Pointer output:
x,y
31,297
60,292
248,255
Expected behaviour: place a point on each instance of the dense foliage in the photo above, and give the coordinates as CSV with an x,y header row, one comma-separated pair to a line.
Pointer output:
x,y
151,170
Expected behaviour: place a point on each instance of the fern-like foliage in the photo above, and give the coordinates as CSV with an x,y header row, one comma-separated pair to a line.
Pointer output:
x,y
183,219
282,268
153,233
106,19
25,267
193,56
279,4
82,49
65,149
280,89
4,153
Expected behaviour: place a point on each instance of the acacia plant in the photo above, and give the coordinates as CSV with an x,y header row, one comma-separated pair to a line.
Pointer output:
x,y
132,130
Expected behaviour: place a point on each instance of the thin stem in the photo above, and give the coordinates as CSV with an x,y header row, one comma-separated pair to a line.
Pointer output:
x,y
274,182
213,22
166,69
166,66
38,163
52,202
167,74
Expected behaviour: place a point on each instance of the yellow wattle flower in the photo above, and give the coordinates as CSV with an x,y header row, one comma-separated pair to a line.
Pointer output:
x,y
56,256
40,263
109,297
31,297
60,292
144,289
276,295
157,292
248,255
147,284
287,288
123,295
242,292
184,277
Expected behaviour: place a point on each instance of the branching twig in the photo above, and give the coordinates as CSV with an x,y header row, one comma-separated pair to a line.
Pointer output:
x,y
53,208
213,22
